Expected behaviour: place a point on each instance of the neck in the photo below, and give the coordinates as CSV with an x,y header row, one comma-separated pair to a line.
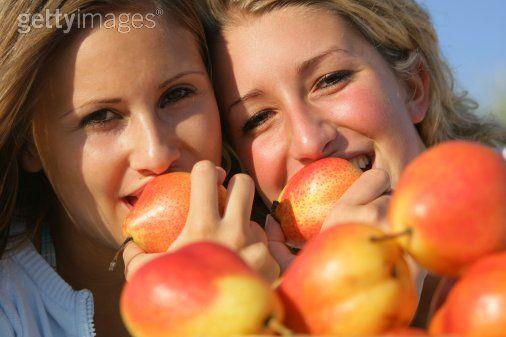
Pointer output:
x,y
84,264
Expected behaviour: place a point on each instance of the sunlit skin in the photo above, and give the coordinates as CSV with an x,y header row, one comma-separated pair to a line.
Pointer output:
x,y
115,110
299,84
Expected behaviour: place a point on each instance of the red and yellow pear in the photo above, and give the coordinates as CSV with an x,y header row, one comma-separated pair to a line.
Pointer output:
x,y
309,196
344,283
451,200
476,306
160,213
404,332
202,289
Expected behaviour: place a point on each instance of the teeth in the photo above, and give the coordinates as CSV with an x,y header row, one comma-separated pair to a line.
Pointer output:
x,y
361,162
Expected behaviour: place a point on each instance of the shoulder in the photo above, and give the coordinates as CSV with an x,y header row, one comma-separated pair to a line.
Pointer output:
x,y
14,293
36,301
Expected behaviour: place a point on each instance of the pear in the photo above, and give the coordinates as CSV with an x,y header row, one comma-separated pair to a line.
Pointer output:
x,y
451,203
309,196
201,289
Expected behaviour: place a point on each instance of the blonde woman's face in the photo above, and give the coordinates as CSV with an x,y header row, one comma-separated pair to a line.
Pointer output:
x,y
297,85
118,109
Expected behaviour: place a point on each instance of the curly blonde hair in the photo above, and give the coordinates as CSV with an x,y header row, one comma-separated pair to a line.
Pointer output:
x,y
402,32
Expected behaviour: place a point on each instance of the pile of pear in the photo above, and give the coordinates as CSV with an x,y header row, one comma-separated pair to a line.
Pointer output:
x,y
447,213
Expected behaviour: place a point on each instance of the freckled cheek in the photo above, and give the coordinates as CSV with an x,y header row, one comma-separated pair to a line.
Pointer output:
x,y
366,111
267,158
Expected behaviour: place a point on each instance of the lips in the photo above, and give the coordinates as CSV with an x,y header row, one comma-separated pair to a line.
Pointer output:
x,y
131,199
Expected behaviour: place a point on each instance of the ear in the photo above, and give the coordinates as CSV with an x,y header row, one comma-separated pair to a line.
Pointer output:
x,y
30,159
419,95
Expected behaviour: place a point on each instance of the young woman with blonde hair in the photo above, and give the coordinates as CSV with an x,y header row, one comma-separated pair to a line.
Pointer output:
x,y
300,80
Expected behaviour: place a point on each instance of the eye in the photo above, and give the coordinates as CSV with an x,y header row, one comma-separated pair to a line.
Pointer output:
x,y
99,118
174,95
256,120
333,79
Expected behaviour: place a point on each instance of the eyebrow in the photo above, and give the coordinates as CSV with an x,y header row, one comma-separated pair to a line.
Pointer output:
x,y
164,84
312,62
179,76
302,68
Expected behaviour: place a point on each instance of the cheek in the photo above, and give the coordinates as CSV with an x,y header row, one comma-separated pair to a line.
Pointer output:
x,y
201,134
103,164
368,111
265,159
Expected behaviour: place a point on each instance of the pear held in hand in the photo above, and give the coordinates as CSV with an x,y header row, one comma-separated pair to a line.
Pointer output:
x,y
309,196
160,213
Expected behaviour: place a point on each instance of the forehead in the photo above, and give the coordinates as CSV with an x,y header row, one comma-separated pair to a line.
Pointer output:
x,y
107,49
291,33
106,62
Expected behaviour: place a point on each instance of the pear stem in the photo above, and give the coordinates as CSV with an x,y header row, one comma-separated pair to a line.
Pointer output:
x,y
386,237
277,327
112,265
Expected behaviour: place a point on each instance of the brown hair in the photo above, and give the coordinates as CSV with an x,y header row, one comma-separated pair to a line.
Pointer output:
x,y
401,30
23,56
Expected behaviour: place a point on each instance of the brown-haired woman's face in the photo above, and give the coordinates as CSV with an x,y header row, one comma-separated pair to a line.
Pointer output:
x,y
297,84
116,110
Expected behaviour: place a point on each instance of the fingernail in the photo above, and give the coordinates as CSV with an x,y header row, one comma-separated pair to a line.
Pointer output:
x,y
267,219
221,170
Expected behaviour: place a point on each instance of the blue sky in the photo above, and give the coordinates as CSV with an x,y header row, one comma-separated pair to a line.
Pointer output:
x,y
472,35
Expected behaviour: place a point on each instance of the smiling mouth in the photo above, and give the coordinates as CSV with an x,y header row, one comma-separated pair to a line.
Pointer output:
x,y
363,162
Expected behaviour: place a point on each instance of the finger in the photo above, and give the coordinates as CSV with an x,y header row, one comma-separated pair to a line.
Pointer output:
x,y
273,230
240,195
134,258
203,194
276,244
237,239
369,186
222,175
258,257
258,233
375,213
380,209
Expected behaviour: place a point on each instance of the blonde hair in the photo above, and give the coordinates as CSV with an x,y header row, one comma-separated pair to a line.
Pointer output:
x,y
23,56
403,34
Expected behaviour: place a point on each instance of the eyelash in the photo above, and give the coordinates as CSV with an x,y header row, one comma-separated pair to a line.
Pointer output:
x,y
261,117
182,93
94,119
256,120
335,77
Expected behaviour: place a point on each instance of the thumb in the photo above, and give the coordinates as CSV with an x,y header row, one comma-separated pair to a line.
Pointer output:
x,y
276,243
134,258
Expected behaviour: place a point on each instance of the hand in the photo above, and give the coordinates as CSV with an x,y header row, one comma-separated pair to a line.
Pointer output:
x,y
365,201
234,229
277,245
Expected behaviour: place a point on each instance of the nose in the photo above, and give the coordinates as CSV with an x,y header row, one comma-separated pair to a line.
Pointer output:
x,y
311,134
154,147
